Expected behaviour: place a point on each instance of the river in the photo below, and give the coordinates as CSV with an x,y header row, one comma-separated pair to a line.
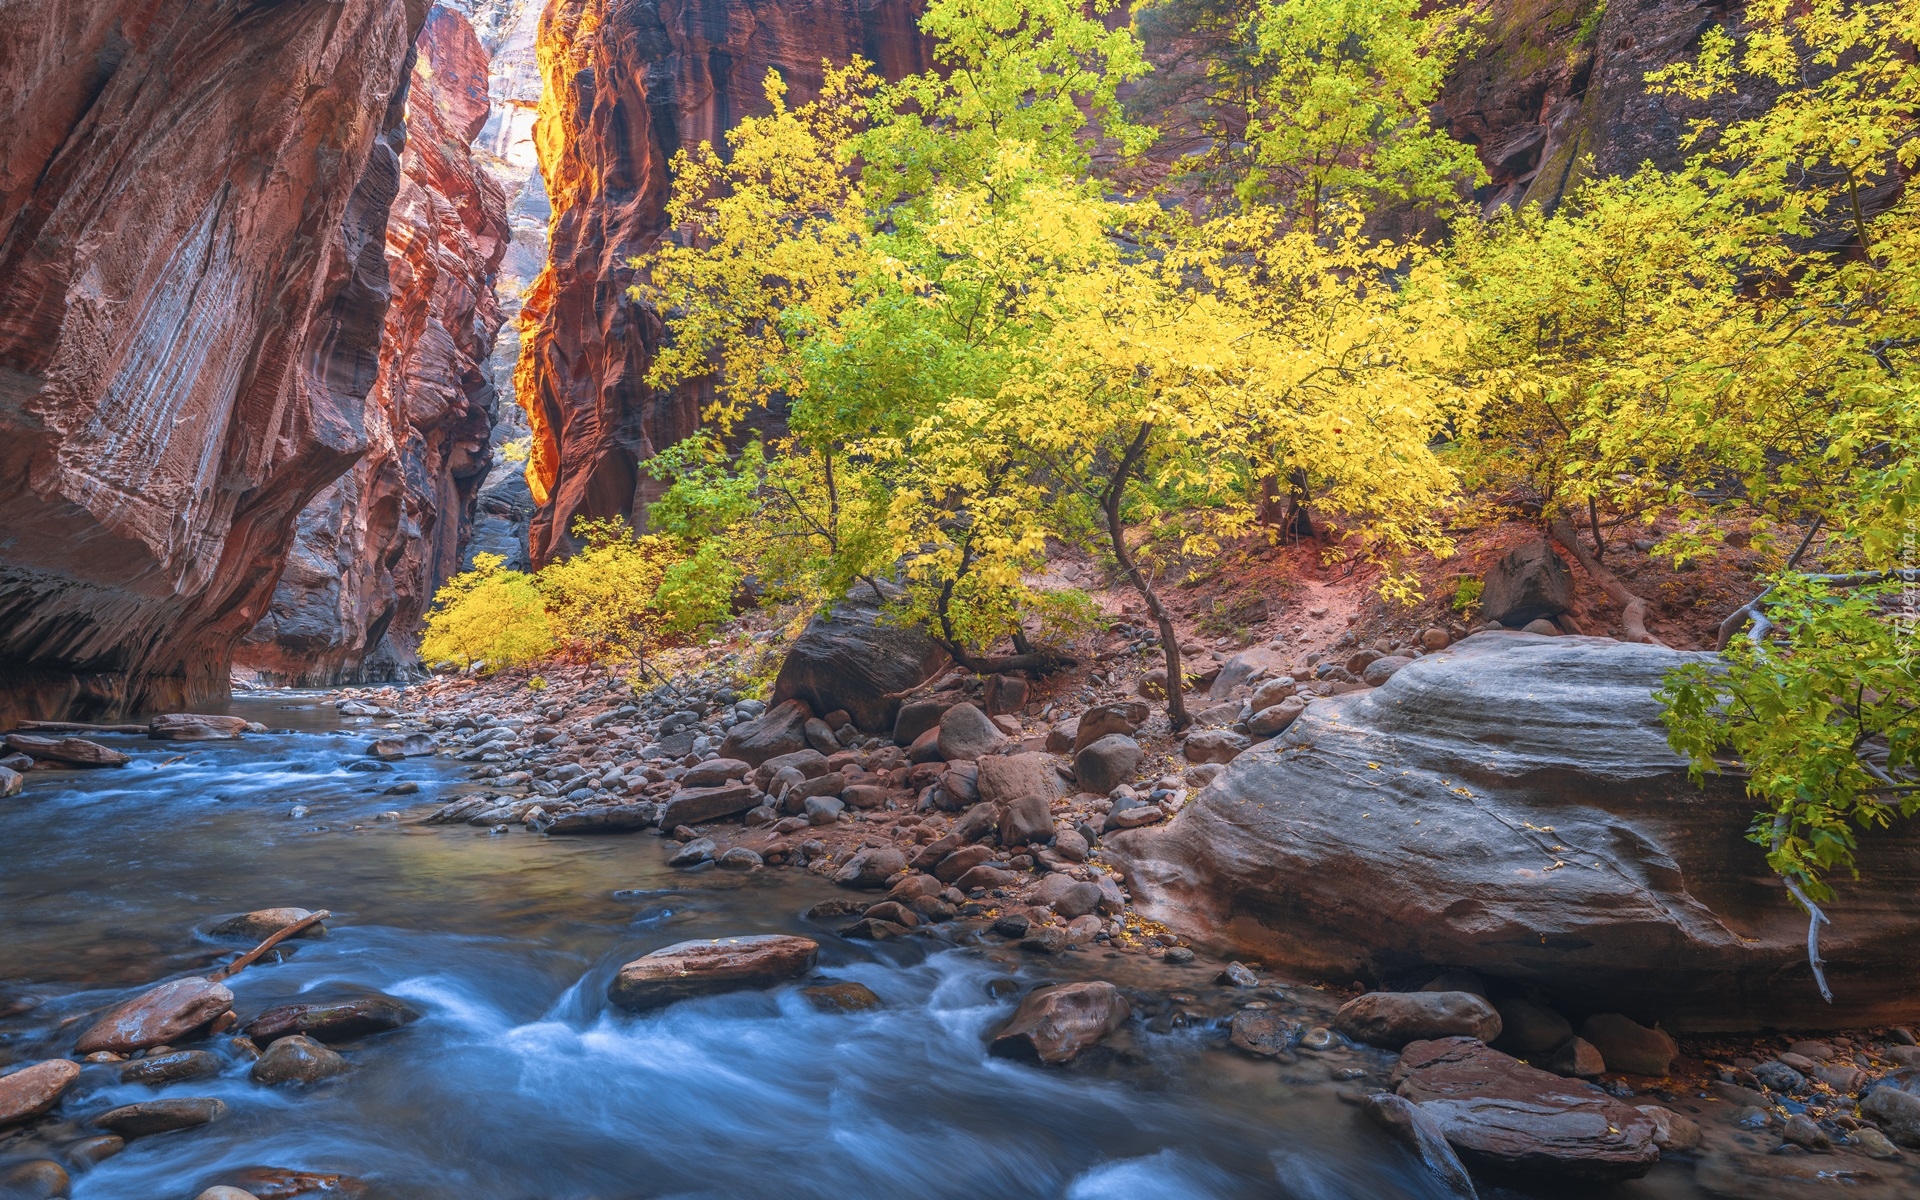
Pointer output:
x,y
520,1082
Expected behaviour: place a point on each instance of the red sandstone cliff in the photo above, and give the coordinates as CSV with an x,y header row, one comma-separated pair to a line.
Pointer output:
x,y
628,83
193,199
374,545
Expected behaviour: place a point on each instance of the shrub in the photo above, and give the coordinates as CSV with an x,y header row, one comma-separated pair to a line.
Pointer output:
x,y
488,615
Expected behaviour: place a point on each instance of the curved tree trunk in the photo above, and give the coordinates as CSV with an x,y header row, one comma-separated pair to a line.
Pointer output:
x,y
1117,535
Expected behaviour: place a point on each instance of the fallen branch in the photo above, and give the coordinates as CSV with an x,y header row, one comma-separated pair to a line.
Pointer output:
x,y
1751,609
1633,615
76,727
250,957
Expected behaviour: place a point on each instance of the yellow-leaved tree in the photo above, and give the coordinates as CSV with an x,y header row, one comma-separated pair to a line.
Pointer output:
x,y
488,614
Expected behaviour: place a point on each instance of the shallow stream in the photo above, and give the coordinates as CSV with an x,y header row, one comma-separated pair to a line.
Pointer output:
x,y
520,1082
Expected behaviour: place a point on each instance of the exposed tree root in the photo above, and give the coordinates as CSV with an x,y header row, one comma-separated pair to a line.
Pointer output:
x,y
1633,615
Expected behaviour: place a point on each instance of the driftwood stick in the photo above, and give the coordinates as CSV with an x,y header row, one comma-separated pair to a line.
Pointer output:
x,y
245,960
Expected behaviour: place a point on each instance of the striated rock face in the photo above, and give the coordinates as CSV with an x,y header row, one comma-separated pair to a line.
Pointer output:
x,y
1510,805
628,83
193,199
1556,81
372,547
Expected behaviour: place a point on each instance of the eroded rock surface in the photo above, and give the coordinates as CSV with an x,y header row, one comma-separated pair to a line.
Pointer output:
x,y
1522,816
193,203
1501,1114
373,547
628,83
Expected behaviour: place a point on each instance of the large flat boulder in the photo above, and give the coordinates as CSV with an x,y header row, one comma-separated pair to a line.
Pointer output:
x,y
1517,1120
67,751
157,1016
1510,805
703,967
857,657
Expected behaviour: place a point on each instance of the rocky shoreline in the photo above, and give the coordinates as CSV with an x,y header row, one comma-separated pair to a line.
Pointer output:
x,y
1036,824
971,828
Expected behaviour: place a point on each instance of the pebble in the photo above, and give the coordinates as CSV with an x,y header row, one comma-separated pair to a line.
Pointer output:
x,y
1317,1038
1179,956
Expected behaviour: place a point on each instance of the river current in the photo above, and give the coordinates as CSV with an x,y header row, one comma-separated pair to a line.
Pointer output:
x,y
521,1083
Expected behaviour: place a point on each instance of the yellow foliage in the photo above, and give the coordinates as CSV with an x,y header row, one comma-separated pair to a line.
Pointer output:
x,y
488,615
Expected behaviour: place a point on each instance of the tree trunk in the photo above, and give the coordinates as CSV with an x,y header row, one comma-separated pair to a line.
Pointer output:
x,y
1633,615
1117,535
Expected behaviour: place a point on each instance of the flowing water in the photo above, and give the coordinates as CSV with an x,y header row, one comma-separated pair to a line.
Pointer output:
x,y
520,1082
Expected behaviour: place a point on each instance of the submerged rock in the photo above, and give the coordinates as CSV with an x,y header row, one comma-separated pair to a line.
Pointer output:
x,y
340,1021
170,1068
296,1058
34,1089
701,968
265,922
160,1116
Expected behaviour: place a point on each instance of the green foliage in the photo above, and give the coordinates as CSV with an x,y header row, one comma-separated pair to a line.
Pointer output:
x,y
604,600
1466,593
1826,724
1311,105
1821,713
610,603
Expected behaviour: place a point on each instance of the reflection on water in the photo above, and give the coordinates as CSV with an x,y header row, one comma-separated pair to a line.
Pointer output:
x,y
519,1083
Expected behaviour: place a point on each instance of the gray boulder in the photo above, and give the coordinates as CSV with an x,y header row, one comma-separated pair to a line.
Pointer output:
x,y
1510,805
1107,763
1528,582
1004,778
853,657
780,730
1123,717
1215,746
967,733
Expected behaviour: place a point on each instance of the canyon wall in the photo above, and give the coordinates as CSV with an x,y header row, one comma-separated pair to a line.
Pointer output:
x,y
374,545
193,281
628,82
1556,92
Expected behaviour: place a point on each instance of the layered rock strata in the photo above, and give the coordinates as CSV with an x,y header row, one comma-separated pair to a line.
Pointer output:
x,y
372,547
193,283
1510,806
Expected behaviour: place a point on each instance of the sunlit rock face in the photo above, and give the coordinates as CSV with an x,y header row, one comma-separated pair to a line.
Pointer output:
x,y
375,544
193,282
509,30
628,82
